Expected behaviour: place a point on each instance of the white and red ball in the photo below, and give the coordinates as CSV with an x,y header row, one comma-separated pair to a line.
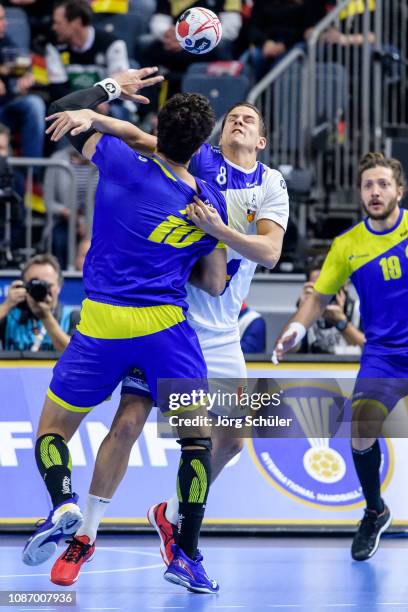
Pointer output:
x,y
198,30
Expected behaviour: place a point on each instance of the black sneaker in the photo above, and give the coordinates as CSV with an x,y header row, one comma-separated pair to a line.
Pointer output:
x,y
367,538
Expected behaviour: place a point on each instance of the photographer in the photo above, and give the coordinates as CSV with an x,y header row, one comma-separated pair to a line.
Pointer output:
x,y
337,330
31,318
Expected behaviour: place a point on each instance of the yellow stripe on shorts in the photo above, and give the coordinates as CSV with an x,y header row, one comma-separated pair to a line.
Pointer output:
x,y
65,404
108,322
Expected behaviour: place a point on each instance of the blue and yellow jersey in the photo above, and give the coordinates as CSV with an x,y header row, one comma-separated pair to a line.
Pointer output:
x,y
377,264
143,246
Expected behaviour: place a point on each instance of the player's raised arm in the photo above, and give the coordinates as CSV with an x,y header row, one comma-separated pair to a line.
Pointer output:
x,y
79,121
81,128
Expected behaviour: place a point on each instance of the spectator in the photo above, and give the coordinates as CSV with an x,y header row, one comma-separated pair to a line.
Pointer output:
x,y
166,51
30,324
58,198
277,25
84,54
252,330
12,191
337,331
19,110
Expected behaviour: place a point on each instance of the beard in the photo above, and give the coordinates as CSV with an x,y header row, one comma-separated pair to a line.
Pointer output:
x,y
382,216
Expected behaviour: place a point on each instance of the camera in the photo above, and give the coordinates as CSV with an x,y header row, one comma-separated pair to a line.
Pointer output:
x,y
37,289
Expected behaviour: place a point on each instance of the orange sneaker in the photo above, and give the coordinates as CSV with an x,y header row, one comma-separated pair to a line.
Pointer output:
x,y
65,570
157,518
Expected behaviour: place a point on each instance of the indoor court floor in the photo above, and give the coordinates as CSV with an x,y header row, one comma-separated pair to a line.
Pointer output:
x,y
263,574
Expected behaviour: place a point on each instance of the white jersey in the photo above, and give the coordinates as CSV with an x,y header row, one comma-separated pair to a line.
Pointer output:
x,y
251,195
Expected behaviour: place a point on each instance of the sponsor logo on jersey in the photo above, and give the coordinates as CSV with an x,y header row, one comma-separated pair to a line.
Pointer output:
x,y
251,209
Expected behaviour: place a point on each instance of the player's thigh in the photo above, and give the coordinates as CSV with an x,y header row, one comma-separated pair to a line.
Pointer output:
x,y
88,372
376,393
227,375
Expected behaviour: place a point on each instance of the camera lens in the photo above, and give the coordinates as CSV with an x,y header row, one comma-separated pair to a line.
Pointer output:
x,y
37,289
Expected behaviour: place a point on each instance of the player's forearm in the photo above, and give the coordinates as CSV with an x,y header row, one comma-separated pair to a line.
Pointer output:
x,y
58,337
310,310
353,336
126,131
257,248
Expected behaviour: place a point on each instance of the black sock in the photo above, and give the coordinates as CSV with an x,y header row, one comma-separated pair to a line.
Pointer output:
x,y
54,464
367,464
193,483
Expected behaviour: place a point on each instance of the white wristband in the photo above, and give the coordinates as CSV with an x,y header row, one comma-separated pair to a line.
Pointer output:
x,y
111,87
298,328
294,327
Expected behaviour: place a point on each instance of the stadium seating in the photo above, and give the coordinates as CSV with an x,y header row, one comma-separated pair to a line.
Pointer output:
x,y
223,91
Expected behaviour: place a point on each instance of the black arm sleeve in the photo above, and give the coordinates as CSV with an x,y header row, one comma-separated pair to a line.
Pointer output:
x,y
85,98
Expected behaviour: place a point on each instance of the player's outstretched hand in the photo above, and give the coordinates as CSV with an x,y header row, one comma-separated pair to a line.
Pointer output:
x,y
205,217
288,340
131,81
76,122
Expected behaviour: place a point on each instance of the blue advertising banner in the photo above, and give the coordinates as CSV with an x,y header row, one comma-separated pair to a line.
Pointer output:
x,y
291,481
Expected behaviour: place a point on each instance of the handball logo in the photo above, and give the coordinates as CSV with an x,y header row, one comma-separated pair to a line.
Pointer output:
x,y
310,466
110,87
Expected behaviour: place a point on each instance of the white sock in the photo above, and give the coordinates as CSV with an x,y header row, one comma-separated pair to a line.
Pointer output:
x,y
94,510
172,509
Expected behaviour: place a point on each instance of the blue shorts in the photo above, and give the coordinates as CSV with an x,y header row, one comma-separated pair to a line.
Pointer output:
x,y
383,379
91,368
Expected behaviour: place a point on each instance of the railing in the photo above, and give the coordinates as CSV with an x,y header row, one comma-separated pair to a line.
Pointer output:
x,y
328,103
276,96
29,164
343,75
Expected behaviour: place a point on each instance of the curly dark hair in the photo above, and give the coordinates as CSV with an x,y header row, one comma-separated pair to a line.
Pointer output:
x,y
374,159
184,124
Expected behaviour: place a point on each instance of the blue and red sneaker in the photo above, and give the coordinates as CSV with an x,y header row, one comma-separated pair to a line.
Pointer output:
x,y
190,574
63,520
157,518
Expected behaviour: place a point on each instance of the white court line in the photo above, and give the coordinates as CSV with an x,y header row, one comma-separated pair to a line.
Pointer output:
x,y
393,603
37,608
337,605
101,608
132,552
109,571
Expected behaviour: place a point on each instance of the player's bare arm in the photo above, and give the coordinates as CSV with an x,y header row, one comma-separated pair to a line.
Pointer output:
x,y
79,121
264,248
123,85
210,272
307,314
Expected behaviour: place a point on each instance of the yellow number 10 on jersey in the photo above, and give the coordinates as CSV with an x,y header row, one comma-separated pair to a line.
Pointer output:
x,y
176,232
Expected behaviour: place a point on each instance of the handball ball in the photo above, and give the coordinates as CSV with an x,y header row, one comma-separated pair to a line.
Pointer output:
x,y
198,30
